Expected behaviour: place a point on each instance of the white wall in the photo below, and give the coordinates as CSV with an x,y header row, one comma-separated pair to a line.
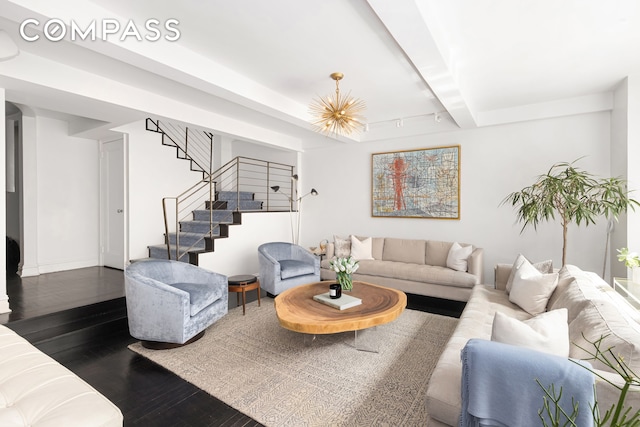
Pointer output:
x,y
495,161
239,253
13,178
625,150
154,172
619,141
263,152
29,246
633,154
68,186
4,299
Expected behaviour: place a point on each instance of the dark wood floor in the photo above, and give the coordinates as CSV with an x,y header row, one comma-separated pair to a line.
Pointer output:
x,y
146,393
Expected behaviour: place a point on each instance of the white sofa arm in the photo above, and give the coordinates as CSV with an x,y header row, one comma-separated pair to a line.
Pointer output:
x,y
502,272
330,250
37,390
475,264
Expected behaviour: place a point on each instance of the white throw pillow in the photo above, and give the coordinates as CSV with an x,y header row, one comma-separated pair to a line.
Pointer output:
x,y
361,249
342,247
547,332
542,266
457,258
531,289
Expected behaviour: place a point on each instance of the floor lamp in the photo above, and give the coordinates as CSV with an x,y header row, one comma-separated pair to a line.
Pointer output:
x,y
295,236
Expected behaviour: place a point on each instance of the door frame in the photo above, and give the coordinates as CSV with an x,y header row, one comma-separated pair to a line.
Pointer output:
x,y
103,205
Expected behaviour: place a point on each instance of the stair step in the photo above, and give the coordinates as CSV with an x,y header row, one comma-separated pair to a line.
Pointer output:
x,y
201,227
234,195
70,328
232,205
188,239
219,216
160,252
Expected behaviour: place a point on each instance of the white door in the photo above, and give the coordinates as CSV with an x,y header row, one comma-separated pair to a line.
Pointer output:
x,y
112,184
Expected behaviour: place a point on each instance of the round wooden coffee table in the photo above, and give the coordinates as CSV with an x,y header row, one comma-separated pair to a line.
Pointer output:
x,y
297,310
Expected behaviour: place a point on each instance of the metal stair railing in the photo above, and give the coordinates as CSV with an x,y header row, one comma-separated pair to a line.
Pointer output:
x,y
241,175
193,144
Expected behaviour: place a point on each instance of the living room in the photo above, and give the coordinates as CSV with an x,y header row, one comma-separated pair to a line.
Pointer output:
x,y
508,142
503,152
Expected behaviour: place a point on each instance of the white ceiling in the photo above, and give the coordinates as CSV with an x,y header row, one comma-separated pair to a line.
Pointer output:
x,y
482,61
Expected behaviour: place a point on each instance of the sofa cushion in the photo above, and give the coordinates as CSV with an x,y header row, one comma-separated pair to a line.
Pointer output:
x,y
531,289
547,332
404,250
437,253
543,267
39,391
342,246
377,247
293,268
575,287
418,273
361,248
601,318
457,257
200,295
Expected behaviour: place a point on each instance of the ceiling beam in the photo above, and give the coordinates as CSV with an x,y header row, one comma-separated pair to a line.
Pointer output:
x,y
405,23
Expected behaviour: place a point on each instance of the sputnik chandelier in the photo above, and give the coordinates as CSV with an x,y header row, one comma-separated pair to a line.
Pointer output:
x,y
339,115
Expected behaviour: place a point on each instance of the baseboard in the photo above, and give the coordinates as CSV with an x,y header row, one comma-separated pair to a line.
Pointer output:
x,y
29,272
52,268
4,305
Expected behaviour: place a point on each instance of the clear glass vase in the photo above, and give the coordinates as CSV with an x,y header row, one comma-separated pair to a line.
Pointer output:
x,y
345,280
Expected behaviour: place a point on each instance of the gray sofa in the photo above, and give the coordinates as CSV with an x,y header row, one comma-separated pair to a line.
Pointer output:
x,y
416,267
594,309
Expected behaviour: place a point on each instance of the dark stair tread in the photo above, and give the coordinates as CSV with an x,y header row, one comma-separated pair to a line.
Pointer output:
x,y
47,327
199,221
81,336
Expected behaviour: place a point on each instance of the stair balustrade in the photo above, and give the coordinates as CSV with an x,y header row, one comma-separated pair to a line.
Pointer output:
x,y
202,213
192,144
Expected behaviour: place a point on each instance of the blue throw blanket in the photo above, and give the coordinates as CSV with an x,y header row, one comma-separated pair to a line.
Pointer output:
x,y
499,385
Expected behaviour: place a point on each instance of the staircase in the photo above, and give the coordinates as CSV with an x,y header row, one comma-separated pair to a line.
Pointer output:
x,y
194,237
204,212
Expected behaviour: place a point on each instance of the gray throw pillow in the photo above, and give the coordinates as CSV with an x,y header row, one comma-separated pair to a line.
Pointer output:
x,y
342,246
544,267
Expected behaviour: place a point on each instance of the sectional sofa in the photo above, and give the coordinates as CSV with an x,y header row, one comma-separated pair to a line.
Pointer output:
x,y
36,390
593,309
410,265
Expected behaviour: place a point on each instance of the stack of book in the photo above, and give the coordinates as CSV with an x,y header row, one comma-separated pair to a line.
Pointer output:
x,y
342,303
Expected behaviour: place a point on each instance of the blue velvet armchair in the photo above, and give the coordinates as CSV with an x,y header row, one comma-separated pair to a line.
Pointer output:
x,y
285,265
170,303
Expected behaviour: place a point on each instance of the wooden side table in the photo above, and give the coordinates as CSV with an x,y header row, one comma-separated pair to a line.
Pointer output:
x,y
241,284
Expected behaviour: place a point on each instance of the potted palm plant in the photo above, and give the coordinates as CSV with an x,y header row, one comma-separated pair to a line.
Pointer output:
x,y
572,194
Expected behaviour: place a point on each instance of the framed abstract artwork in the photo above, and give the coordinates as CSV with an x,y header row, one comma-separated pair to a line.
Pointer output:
x,y
422,183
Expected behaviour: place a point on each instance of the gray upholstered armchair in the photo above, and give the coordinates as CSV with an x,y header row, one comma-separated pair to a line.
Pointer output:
x,y
285,265
170,303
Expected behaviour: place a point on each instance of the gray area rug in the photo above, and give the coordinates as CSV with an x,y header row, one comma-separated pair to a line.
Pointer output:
x,y
267,372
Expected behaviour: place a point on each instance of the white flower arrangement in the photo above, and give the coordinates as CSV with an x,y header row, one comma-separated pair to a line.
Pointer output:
x,y
344,268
